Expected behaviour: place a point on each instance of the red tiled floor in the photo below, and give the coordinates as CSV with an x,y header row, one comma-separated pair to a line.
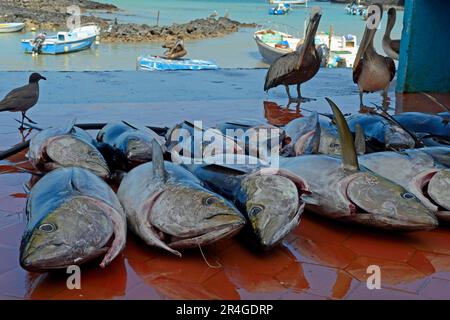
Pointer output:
x,y
393,274
369,245
436,289
322,252
362,293
327,282
321,259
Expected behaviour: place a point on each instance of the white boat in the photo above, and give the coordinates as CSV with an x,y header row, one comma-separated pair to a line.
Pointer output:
x,y
77,39
11,27
273,44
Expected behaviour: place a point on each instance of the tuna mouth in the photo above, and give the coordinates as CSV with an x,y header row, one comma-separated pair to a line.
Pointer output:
x,y
384,220
201,237
32,264
283,228
429,188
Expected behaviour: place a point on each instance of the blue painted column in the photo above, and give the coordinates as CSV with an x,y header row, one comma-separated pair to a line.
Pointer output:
x,y
424,64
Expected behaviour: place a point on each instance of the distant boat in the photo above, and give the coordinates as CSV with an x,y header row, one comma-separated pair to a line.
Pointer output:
x,y
155,63
293,2
11,27
65,42
273,44
281,9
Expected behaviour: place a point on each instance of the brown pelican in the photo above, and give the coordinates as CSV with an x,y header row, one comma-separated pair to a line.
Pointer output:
x,y
299,66
371,71
391,47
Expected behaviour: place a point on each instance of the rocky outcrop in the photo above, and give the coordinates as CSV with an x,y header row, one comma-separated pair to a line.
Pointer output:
x,y
52,15
196,29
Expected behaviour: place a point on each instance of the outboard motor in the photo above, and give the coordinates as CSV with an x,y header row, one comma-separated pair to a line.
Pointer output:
x,y
324,54
38,42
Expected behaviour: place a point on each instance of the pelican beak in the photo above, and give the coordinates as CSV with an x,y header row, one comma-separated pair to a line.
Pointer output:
x,y
367,39
311,30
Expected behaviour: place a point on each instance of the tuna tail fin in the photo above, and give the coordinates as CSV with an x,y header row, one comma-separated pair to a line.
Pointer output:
x,y
360,140
348,152
313,146
158,160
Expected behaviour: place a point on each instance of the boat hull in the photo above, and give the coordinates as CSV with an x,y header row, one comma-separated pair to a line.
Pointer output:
x,y
268,53
154,63
11,27
62,47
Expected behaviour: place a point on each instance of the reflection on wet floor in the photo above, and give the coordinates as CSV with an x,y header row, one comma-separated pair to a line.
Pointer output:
x,y
321,259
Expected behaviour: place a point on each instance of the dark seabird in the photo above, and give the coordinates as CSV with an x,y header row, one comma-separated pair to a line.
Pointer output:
x,y
299,66
23,98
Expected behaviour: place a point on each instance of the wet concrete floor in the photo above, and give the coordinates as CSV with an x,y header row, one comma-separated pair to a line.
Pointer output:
x,y
321,259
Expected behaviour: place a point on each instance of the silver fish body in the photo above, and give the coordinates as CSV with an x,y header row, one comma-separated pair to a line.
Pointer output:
x,y
129,146
357,196
417,172
73,217
169,208
270,202
66,147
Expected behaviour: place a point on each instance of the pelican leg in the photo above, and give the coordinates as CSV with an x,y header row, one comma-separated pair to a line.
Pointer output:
x,y
362,107
300,98
288,92
25,116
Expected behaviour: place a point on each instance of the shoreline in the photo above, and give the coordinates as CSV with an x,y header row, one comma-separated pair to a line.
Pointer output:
x,y
51,15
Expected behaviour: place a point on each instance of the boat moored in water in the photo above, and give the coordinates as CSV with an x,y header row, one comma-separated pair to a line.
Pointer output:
x,y
289,2
11,27
281,9
156,63
78,39
273,44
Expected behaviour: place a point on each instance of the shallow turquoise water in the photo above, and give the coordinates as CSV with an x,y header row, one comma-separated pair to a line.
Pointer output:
x,y
235,50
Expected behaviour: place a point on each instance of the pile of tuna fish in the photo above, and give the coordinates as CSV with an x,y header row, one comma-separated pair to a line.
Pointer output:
x,y
176,192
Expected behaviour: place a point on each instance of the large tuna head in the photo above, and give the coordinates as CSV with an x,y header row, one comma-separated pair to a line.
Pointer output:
x,y
378,202
302,135
374,200
271,203
77,231
397,139
137,147
438,190
71,151
188,215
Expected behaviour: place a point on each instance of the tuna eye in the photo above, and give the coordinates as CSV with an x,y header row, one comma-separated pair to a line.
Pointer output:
x,y
407,195
47,227
211,200
256,210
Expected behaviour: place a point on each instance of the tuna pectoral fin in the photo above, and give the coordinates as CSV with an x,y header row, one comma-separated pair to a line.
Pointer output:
x,y
119,229
144,229
348,152
308,199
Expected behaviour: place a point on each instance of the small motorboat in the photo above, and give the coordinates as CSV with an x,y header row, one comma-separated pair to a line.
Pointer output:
x,y
157,63
11,27
354,8
340,50
279,10
64,42
290,2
